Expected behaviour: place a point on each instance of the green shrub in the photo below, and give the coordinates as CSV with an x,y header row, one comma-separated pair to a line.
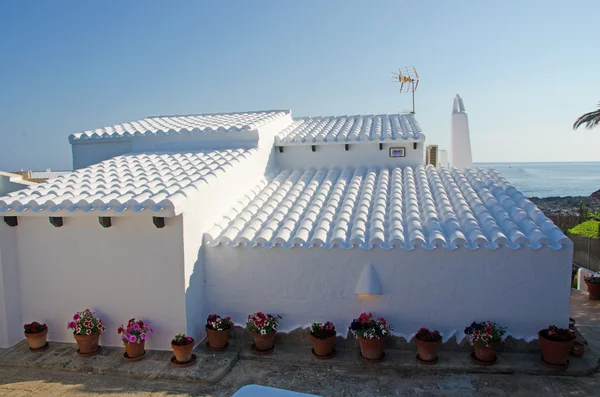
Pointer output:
x,y
586,229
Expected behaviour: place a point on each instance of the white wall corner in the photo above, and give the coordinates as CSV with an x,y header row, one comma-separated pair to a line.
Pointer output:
x,y
368,281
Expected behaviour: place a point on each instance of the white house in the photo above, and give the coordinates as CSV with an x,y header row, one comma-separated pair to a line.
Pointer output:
x,y
10,182
171,218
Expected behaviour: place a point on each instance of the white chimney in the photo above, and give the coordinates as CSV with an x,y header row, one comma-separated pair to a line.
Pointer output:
x,y
460,140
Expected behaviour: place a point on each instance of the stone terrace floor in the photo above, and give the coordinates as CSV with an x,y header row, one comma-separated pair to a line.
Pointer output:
x,y
325,380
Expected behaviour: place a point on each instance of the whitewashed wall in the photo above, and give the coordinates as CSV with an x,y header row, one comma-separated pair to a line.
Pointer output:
x,y
11,327
335,155
524,290
92,152
201,215
131,269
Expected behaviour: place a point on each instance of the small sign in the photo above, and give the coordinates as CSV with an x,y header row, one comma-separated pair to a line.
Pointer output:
x,y
397,152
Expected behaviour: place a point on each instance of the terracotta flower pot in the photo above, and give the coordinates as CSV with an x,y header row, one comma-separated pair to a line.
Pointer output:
x,y
37,340
183,353
593,291
217,339
134,350
323,347
371,349
87,343
428,351
485,353
264,342
555,352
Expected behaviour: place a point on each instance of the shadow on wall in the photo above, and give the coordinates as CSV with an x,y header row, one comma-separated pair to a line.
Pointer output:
x,y
195,299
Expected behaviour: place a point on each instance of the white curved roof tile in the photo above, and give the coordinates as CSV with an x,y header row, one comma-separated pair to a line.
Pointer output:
x,y
176,125
349,129
131,182
407,207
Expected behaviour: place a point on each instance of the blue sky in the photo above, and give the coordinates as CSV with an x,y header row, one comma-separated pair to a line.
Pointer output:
x,y
526,70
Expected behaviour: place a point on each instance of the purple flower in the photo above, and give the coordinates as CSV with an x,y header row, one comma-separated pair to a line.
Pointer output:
x,y
76,316
132,339
136,326
150,331
71,325
143,335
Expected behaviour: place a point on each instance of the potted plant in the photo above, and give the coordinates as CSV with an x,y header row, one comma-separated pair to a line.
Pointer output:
x,y
371,334
322,337
217,331
556,344
263,328
86,331
593,286
484,336
36,336
134,337
182,346
428,345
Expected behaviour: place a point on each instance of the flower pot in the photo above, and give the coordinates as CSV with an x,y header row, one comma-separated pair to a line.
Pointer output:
x,y
323,347
87,343
134,350
428,351
217,339
555,352
264,342
183,353
485,353
593,291
371,349
37,340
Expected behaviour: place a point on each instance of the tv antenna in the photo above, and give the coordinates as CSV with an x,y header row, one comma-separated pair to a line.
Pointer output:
x,y
409,81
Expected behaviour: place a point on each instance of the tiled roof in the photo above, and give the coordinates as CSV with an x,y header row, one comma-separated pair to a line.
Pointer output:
x,y
406,208
191,124
345,129
134,182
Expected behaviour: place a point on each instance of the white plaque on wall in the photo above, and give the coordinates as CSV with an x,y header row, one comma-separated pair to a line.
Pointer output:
x,y
397,152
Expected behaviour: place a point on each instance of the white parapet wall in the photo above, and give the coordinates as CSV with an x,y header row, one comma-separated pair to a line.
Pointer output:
x,y
131,269
524,289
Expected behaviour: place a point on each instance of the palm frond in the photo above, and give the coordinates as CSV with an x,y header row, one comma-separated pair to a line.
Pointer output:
x,y
590,120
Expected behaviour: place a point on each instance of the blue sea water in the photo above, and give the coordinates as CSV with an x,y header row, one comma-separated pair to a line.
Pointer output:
x,y
550,179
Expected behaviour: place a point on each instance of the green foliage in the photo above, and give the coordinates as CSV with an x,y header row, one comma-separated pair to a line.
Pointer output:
x,y
582,209
586,229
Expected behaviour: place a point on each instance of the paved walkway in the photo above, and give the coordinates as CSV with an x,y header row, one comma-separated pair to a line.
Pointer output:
x,y
587,316
29,382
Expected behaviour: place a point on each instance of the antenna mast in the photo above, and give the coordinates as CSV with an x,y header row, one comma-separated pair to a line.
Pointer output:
x,y
409,81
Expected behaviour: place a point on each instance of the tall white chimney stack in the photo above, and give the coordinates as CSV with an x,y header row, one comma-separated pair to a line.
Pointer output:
x,y
460,139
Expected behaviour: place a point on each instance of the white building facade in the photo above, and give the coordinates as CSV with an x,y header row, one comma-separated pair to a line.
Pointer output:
x,y
169,219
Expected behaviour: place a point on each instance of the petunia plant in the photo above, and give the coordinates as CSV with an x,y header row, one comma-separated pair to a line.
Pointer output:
x,y
218,323
35,328
136,331
322,331
485,333
426,335
86,323
368,327
263,324
593,279
559,334
182,340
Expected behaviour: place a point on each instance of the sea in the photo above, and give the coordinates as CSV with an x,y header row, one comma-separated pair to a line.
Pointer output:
x,y
550,179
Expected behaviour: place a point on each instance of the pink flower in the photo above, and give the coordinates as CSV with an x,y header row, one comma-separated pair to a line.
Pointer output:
x,y
132,339
136,327
143,335
76,316
88,332
71,325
